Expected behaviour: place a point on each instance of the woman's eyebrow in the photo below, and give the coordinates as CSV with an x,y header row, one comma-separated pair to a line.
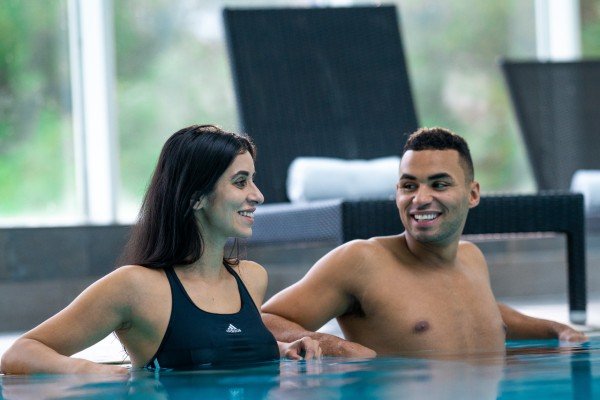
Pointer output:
x,y
238,173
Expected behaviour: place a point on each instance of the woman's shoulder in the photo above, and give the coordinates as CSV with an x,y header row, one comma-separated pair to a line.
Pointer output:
x,y
133,271
131,277
254,276
250,270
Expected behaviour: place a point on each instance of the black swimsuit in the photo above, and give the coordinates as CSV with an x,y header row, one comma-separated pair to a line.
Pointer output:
x,y
198,339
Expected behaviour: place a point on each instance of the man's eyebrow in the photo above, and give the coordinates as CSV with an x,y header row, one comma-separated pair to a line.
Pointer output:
x,y
441,175
407,176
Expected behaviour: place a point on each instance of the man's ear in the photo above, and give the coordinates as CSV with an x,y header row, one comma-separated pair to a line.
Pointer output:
x,y
474,194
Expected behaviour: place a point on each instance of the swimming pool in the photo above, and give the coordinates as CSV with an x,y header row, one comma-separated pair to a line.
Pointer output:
x,y
530,370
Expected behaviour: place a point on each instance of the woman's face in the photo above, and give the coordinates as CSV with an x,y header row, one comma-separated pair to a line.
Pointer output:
x,y
229,210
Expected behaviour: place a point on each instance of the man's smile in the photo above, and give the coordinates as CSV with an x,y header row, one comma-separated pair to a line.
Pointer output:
x,y
426,217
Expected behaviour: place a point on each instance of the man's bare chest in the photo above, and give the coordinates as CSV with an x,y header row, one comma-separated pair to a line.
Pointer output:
x,y
416,313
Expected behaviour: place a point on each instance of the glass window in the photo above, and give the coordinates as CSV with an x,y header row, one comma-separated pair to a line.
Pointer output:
x,y
172,71
37,179
590,28
453,49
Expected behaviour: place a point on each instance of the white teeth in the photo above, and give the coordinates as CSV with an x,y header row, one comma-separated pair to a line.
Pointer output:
x,y
246,213
425,217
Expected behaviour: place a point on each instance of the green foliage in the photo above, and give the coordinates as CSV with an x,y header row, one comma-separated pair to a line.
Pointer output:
x,y
452,50
177,78
36,175
590,28
172,71
36,171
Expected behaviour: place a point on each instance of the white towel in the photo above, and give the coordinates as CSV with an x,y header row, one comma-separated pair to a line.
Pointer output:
x,y
588,183
318,178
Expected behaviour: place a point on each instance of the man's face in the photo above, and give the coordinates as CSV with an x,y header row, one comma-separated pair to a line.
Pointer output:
x,y
433,197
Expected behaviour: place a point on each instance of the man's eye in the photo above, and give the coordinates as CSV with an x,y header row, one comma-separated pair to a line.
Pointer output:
x,y
408,186
440,185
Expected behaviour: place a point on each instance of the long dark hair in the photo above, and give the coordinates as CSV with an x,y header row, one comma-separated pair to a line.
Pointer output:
x,y
189,165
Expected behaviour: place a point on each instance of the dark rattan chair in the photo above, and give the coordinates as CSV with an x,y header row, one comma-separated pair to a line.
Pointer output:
x,y
327,82
556,104
545,212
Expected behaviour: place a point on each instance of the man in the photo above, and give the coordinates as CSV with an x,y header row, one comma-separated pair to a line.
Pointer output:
x,y
423,292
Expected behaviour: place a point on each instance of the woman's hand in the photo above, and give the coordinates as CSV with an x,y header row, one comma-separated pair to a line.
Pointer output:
x,y
305,348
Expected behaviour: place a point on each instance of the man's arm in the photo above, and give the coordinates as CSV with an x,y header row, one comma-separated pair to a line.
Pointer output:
x,y
520,326
331,345
323,294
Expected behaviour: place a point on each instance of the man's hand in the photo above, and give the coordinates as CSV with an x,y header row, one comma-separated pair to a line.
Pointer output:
x,y
342,348
305,348
521,326
329,345
565,333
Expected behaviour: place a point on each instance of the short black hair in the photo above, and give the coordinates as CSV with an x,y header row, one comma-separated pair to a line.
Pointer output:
x,y
442,139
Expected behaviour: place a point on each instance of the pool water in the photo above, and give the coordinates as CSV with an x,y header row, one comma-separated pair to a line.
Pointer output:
x,y
530,370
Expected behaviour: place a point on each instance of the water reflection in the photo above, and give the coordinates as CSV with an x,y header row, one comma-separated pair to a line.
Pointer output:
x,y
529,370
549,369
392,378
581,376
38,387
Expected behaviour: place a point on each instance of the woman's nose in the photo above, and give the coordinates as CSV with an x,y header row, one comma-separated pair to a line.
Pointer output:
x,y
256,195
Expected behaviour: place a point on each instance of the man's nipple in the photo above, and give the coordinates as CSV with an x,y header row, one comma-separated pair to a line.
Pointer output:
x,y
421,327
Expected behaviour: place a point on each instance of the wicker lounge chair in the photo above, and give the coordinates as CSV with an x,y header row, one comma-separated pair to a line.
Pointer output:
x,y
556,105
332,82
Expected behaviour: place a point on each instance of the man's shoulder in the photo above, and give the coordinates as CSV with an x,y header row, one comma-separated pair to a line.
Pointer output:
x,y
360,253
471,254
369,247
469,247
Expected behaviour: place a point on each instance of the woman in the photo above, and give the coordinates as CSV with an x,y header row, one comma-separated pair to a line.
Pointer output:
x,y
179,304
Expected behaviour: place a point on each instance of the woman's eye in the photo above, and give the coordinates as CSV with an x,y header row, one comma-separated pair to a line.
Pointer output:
x,y
240,184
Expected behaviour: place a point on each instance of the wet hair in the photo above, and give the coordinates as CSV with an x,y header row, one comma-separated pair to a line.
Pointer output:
x,y
442,139
189,166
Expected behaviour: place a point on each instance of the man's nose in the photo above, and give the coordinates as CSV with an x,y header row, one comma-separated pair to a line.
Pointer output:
x,y
422,196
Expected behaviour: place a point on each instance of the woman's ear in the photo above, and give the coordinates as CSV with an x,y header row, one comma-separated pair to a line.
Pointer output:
x,y
198,202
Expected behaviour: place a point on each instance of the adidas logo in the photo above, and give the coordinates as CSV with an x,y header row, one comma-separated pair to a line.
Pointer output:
x,y
232,329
